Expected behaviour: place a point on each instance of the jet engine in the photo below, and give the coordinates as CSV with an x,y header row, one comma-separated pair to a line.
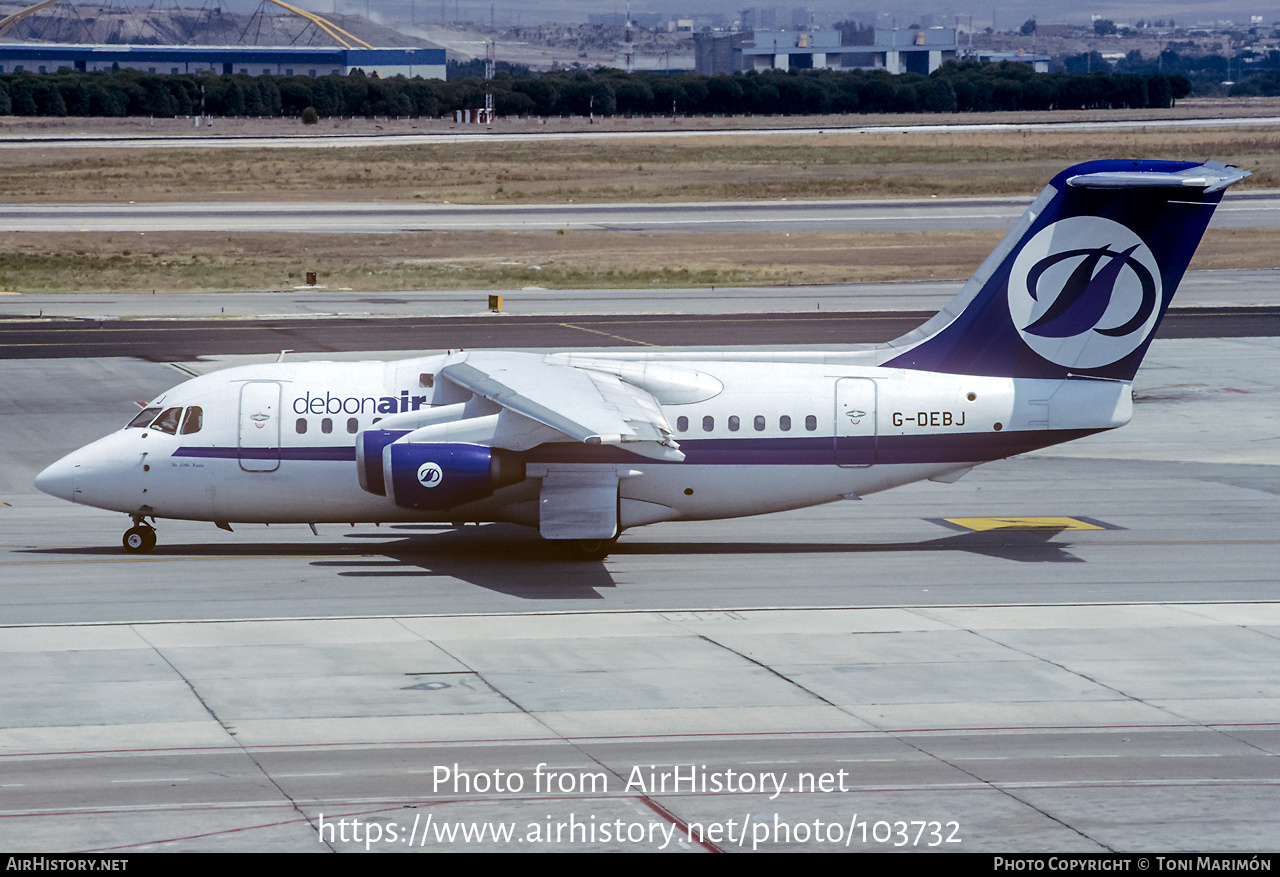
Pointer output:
x,y
433,475
369,445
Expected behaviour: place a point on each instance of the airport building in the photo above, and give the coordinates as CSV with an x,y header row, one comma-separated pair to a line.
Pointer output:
x,y
904,50
250,60
894,50
784,49
1040,63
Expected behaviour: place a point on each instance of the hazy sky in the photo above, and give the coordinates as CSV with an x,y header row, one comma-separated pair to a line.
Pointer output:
x,y
1007,14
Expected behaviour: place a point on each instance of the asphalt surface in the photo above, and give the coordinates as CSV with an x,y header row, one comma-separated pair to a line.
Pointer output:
x,y
1101,686
1253,209
177,341
686,126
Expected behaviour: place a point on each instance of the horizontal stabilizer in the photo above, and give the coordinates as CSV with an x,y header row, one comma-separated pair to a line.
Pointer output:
x,y
1212,176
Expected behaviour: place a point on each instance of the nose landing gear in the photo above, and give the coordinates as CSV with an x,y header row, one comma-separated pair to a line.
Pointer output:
x,y
140,538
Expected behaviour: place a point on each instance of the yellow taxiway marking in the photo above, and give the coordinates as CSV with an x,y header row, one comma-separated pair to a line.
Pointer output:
x,y
1023,524
608,335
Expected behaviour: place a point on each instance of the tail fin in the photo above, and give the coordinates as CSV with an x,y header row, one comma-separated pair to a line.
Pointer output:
x,y
1080,284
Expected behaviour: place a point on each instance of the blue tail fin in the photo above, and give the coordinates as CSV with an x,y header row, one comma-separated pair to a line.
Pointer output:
x,y
1079,286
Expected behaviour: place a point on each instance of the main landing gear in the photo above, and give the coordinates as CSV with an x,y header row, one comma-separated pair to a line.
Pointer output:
x,y
140,538
588,549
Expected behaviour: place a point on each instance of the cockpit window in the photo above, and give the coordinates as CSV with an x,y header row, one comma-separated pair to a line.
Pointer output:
x,y
144,418
193,421
168,422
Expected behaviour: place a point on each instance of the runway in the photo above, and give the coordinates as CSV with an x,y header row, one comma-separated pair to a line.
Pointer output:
x,y
690,126
174,341
1256,209
1227,290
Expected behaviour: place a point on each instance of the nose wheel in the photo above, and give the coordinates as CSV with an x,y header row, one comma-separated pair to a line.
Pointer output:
x,y
140,539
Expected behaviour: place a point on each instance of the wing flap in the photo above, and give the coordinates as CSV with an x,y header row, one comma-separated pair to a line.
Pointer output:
x,y
588,406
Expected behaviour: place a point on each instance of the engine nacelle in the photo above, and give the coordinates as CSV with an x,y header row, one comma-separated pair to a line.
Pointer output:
x,y
426,475
369,445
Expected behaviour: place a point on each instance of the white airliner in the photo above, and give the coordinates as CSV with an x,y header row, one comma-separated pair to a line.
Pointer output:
x,y
1040,347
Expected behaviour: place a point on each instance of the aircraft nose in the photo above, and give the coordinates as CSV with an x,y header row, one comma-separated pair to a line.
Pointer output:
x,y
59,479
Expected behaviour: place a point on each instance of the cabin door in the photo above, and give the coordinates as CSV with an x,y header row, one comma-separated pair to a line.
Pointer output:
x,y
260,426
855,427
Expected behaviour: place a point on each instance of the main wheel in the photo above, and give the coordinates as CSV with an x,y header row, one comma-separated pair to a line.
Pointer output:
x,y
588,549
139,540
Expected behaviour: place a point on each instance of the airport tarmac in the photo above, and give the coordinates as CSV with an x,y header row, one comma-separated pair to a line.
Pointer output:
x,y
1206,289
1088,728
1247,209
1101,680
413,131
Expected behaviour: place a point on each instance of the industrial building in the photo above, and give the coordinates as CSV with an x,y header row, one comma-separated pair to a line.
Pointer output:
x,y
894,50
250,60
1039,63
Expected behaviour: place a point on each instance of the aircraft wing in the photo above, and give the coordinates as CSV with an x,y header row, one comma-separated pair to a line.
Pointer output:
x,y
589,406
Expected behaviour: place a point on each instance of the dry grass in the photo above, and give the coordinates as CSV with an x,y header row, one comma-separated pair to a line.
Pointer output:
x,y
198,262
722,167
882,164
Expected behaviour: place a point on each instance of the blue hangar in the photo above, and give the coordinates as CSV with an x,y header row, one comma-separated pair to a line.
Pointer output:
x,y
250,60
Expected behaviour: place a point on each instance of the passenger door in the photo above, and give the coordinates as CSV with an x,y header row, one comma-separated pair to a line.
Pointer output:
x,y
855,426
260,426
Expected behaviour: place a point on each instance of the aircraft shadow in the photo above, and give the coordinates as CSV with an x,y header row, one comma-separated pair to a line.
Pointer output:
x,y
532,569
516,562
1022,546
499,557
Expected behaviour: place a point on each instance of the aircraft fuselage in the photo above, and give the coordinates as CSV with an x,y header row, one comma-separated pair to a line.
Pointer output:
x,y
276,441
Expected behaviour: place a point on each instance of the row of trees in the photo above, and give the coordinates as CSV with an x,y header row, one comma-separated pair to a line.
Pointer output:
x,y
1265,84
1210,74
963,87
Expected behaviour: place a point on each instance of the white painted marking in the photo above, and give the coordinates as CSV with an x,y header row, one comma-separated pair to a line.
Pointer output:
x,y
1191,754
297,775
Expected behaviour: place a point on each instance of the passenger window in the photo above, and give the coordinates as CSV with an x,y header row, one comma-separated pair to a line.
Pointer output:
x,y
811,423
759,423
353,425
301,426
168,422
708,423
326,425
784,423
734,423
144,418
682,424
193,421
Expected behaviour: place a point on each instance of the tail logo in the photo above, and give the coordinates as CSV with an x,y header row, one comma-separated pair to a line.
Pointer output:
x,y
1084,292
